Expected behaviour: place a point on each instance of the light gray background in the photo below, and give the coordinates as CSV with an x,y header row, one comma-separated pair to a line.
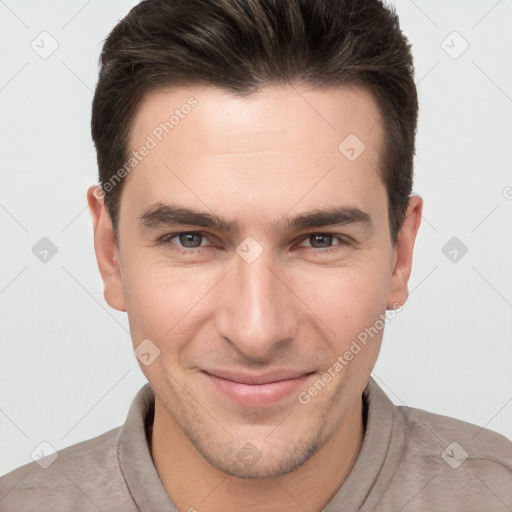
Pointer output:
x,y
67,370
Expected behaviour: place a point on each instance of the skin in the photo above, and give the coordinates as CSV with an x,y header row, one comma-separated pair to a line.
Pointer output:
x,y
256,161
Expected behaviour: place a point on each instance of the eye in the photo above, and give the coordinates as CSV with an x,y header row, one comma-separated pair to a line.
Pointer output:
x,y
322,240
190,240
186,240
325,240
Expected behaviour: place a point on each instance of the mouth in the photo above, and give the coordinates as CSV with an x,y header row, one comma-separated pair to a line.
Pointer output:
x,y
257,390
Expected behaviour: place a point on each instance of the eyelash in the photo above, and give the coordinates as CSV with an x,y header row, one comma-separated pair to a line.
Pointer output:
x,y
165,240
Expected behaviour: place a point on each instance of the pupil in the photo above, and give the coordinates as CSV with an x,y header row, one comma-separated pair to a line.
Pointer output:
x,y
325,240
188,240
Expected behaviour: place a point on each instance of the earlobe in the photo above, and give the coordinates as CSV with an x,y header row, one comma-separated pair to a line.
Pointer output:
x,y
107,254
404,249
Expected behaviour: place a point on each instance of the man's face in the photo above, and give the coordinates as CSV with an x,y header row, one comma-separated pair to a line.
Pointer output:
x,y
234,311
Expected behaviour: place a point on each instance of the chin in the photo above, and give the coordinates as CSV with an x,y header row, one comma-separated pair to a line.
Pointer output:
x,y
253,460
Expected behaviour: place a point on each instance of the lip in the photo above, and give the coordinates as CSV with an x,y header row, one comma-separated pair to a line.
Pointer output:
x,y
257,390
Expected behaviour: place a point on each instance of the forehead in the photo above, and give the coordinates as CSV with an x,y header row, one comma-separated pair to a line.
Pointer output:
x,y
273,118
209,145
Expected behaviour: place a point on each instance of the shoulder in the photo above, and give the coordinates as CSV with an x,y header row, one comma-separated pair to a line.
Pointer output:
x,y
456,441
450,464
85,476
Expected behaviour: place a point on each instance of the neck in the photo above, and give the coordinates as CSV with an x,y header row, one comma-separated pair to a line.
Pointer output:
x,y
192,483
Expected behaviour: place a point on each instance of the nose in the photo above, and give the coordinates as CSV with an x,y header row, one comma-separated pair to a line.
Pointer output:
x,y
255,308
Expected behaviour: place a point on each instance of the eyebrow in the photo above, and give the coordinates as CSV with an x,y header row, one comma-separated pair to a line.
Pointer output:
x,y
166,215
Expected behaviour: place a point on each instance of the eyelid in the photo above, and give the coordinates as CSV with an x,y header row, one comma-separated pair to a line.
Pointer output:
x,y
168,236
342,240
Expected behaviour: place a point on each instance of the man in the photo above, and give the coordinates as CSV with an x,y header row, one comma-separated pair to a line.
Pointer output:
x,y
255,221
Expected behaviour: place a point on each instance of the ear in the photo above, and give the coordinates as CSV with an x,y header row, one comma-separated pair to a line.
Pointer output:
x,y
107,253
403,252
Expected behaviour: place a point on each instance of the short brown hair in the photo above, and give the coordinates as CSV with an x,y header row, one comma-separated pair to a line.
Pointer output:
x,y
244,45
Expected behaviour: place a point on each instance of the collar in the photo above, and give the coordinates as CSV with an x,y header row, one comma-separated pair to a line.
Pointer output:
x,y
135,457
382,447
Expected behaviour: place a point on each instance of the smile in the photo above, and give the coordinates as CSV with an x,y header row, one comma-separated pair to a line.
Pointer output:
x,y
257,391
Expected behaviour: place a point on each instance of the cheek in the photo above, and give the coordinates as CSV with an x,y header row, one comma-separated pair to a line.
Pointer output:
x,y
346,300
161,301
171,305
